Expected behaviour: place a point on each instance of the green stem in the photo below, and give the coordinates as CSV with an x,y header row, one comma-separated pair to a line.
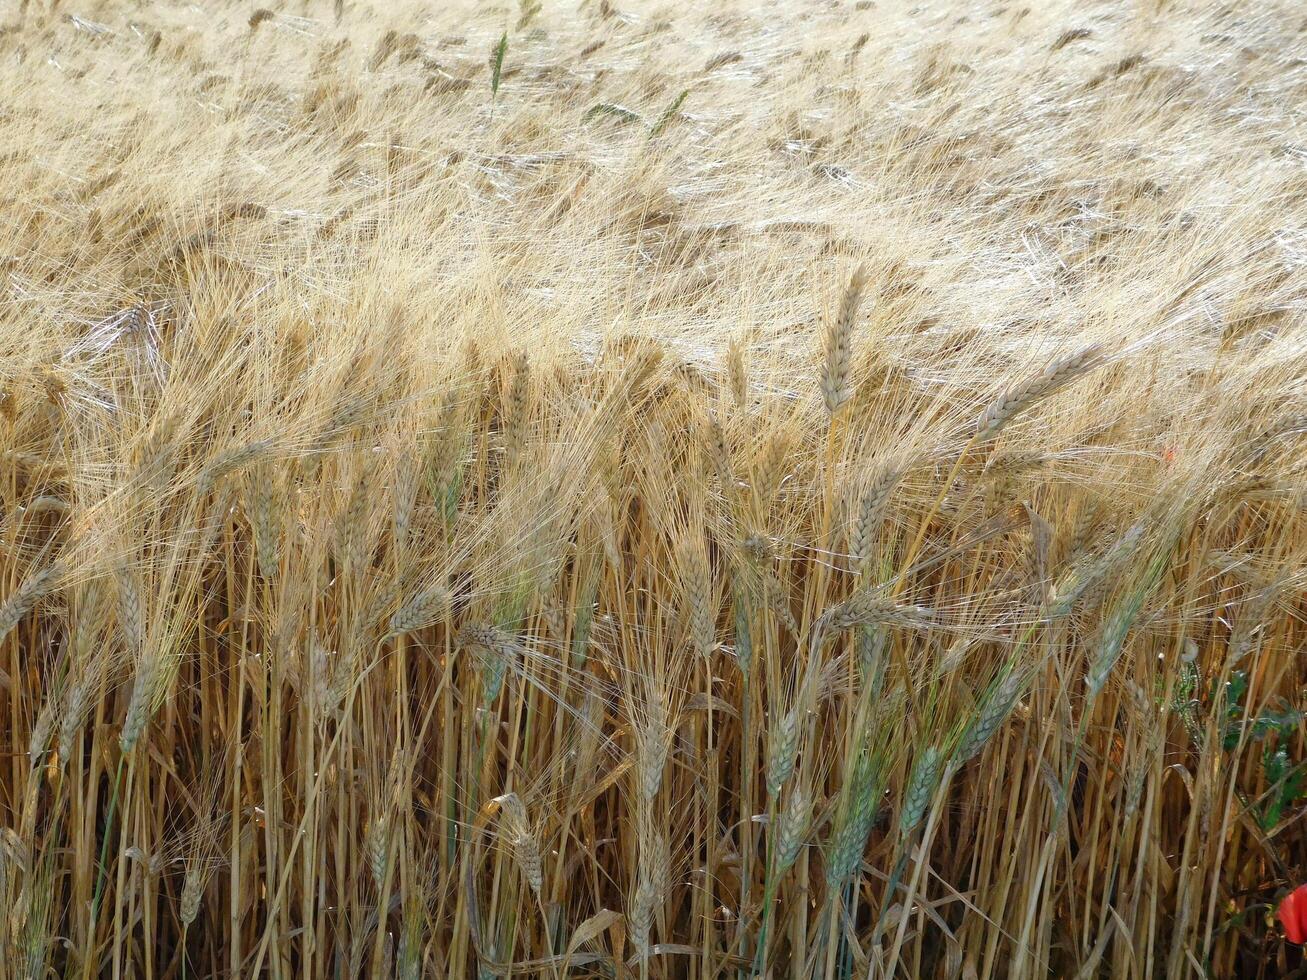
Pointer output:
x,y
104,848
768,893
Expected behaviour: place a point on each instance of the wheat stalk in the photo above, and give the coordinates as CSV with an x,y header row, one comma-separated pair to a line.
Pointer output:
x,y
385,448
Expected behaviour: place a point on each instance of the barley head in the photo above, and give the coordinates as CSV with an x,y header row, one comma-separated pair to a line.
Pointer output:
x,y
856,818
652,758
517,828
192,892
20,602
583,621
737,377
995,706
868,608
131,612
783,751
265,516
139,707
700,611
870,509
920,789
837,362
376,846
792,827
515,409
1056,375
424,609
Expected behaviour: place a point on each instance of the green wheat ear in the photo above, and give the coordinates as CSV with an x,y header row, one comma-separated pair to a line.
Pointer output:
x,y
668,114
619,112
497,64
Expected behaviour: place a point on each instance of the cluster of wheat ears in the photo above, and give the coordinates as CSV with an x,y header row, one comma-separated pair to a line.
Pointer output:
x,y
615,490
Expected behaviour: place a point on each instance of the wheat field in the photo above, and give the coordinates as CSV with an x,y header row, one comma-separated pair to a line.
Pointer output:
x,y
647,490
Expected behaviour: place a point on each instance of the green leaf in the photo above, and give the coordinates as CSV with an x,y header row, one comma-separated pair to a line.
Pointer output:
x,y
497,64
1286,783
1235,689
1275,765
1295,787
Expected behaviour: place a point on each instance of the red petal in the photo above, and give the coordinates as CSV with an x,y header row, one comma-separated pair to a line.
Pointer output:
x,y
1300,912
1293,913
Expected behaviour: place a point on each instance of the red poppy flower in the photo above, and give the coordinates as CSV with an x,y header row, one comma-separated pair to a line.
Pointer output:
x,y
1293,913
